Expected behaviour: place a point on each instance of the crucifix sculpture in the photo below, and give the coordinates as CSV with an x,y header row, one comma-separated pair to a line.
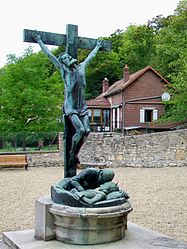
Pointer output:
x,y
75,110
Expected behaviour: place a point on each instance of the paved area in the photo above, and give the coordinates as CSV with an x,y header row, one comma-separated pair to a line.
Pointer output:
x,y
158,197
136,237
2,244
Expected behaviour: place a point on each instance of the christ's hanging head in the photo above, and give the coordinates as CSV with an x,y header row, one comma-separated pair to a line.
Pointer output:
x,y
66,59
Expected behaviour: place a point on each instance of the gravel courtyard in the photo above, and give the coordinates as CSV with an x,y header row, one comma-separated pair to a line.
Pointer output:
x,y
158,196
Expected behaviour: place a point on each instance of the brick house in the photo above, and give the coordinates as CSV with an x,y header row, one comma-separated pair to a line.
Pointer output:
x,y
134,101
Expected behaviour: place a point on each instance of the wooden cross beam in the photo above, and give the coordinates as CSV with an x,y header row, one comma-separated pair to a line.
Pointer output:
x,y
70,40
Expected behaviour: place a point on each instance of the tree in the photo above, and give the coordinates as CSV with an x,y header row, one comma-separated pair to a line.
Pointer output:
x,y
104,65
177,107
158,22
171,59
171,43
31,97
137,48
117,40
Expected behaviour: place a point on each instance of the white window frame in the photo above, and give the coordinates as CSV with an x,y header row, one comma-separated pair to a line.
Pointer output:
x,y
142,114
118,118
155,115
113,117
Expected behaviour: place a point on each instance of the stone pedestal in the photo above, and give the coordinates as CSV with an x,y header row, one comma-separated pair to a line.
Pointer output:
x,y
82,226
44,220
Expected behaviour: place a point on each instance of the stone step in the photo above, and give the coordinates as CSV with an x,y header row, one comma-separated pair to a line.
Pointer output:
x,y
137,237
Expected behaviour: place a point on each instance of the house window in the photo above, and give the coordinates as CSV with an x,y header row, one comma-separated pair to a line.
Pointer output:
x,y
116,117
90,115
99,119
148,115
106,117
97,116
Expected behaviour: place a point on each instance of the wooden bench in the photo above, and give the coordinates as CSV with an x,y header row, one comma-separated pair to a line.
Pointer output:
x,y
11,161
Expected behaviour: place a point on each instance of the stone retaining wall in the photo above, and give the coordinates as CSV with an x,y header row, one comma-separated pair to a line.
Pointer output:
x,y
161,149
45,159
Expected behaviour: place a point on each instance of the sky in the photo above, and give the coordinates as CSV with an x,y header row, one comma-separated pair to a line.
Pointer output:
x,y
96,18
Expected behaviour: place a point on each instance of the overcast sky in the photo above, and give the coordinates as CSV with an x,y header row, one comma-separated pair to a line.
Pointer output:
x,y
95,18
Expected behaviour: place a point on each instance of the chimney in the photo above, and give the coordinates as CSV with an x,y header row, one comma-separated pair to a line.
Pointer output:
x,y
126,73
105,85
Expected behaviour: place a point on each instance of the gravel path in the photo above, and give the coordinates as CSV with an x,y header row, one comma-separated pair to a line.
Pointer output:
x,y
158,196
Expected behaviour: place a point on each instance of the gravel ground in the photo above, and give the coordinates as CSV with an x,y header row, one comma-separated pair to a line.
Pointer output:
x,y
158,196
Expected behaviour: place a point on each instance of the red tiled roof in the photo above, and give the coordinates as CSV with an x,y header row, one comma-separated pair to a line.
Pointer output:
x,y
100,101
120,84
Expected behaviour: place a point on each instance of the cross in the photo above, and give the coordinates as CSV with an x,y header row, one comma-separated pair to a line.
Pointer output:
x,y
72,43
70,40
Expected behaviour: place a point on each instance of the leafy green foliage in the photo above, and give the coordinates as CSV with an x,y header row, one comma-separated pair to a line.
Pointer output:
x,y
171,60
177,106
171,45
28,140
137,47
31,96
104,65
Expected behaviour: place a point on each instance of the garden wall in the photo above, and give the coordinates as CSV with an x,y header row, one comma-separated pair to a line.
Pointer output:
x,y
45,159
161,149
41,158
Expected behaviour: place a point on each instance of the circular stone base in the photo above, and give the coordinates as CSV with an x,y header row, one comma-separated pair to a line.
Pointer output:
x,y
89,226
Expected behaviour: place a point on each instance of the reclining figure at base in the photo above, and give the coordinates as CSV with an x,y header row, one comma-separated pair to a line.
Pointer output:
x,y
90,188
